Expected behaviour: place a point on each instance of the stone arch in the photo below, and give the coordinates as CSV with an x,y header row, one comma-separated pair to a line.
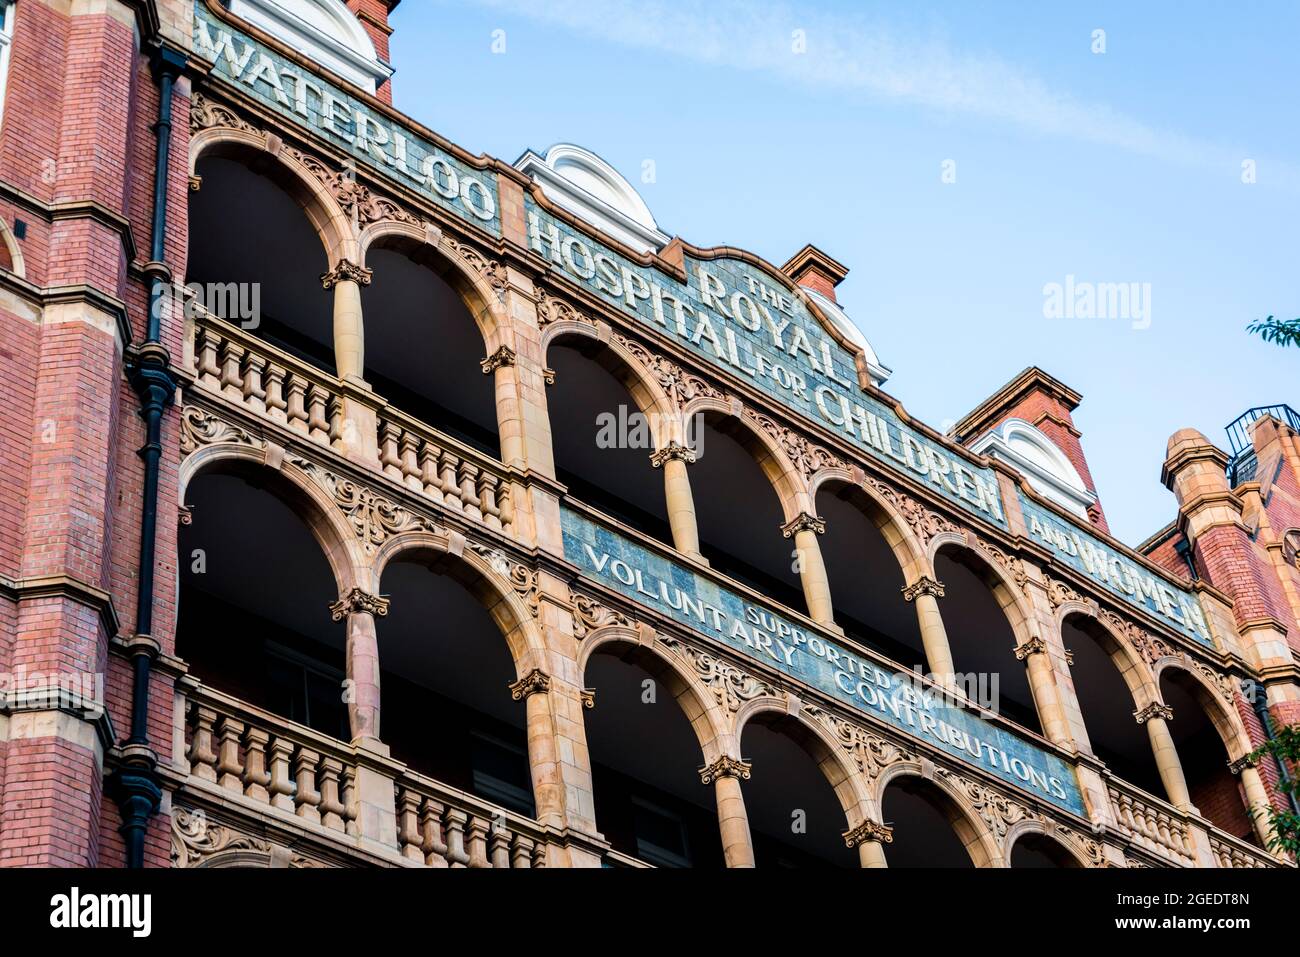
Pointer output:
x,y
485,578
265,154
1132,667
966,822
898,534
787,482
297,490
1008,594
836,766
1032,828
707,719
1227,722
628,368
970,828
426,244
17,265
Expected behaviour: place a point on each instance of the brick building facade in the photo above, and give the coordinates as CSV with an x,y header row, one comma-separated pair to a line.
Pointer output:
x,y
315,418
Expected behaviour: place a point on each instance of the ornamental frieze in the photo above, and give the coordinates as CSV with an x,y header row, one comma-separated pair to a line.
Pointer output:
x,y
205,114
924,523
1011,564
589,614
373,517
197,841
807,457
997,810
200,428
523,580
731,687
1147,646
362,204
681,386
870,752
553,309
492,270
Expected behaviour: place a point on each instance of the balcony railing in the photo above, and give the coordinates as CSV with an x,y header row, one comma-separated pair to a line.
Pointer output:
x,y
1153,825
1232,852
231,362
262,760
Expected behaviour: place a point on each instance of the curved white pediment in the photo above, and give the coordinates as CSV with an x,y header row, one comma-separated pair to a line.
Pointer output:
x,y
324,31
1040,460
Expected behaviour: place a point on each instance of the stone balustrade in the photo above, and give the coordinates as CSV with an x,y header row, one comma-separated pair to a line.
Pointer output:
x,y
443,827
1153,825
444,471
257,759
1232,852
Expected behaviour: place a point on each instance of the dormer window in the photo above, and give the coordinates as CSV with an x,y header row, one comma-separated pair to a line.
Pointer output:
x,y
324,31
1042,463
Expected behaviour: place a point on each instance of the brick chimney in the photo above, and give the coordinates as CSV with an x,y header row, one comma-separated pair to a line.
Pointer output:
x,y
374,15
813,269
1044,402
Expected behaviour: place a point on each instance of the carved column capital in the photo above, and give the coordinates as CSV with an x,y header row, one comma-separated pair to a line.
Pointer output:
x,y
1154,710
359,600
923,586
504,356
1241,763
531,683
804,522
869,831
725,767
1034,646
673,450
588,696
346,270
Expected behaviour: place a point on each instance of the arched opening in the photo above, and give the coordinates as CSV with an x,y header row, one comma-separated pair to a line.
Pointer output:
x,y
1107,703
423,347
739,512
249,226
446,669
1039,850
645,760
1215,791
866,578
929,829
601,441
795,817
981,637
254,601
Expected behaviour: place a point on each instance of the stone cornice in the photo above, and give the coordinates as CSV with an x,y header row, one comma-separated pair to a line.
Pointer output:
x,y
64,586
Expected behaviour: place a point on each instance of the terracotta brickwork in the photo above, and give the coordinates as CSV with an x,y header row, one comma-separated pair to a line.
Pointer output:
x,y
374,484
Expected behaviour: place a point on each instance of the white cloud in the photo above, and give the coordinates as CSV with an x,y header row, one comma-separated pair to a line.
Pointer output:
x,y
846,53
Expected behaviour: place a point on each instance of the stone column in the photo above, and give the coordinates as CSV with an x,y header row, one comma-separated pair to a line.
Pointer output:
x,y
870,839
673,459
804,529
725,775
1257,800
533,689
926,592
1047,700
360,609
346,279
1156,717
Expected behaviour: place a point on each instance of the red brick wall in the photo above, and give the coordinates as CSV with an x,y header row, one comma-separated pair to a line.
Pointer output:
x,y
373,15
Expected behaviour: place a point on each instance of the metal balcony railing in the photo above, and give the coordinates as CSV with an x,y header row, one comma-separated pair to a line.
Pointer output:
x,y
1242,465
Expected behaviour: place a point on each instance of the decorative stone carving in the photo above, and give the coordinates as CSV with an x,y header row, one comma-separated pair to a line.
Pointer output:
x,y
997,810
1154,710
346,270
205,114
359,600
1034,646
490,269
731,687
807,457
361,204
924,523
1059,593
673,450
1011,564
553,309
869,831
532,683
869,751
374,518
804,522
1241,763
1145,645
199,842
922,586
504,356
522,578
725,767
681,386
588,696
200,427
589,614
1226,685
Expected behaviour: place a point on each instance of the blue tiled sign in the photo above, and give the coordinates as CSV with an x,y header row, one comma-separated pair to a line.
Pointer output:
x,y
763,634
347,122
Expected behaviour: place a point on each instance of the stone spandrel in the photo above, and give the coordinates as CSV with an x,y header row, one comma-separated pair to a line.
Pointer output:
x,y
760,633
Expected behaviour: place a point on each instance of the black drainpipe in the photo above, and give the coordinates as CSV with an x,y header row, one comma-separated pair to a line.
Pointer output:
x,y
134,784
1259,700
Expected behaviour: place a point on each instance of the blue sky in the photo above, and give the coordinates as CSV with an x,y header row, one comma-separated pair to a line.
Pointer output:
x,y
1124,166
